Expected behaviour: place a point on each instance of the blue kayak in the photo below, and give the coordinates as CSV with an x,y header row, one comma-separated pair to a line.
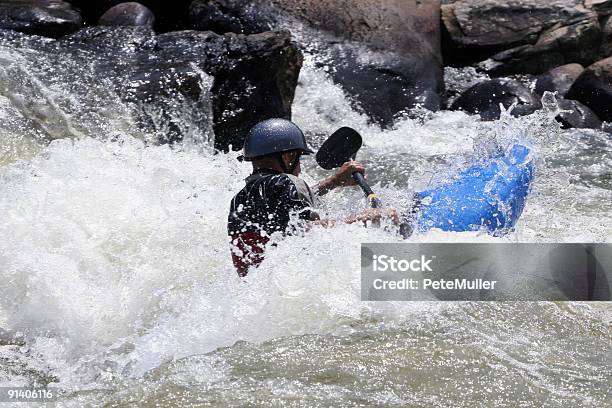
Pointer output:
x,y
490,196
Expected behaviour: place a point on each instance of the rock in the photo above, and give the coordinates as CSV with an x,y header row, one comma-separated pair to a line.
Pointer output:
x,y
602,7
384,53
606,43
576,115
559,79
481,28
573,43
170,15
49,18
485,97
594,89
525,36
128,14
231,16
254,75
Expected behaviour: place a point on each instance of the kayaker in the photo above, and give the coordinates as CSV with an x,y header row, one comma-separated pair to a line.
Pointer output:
x,y
274,192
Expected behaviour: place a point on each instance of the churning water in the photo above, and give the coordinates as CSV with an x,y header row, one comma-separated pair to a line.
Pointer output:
x,y
116,283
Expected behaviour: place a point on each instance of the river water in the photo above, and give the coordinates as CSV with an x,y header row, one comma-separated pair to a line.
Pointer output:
x,y
116,284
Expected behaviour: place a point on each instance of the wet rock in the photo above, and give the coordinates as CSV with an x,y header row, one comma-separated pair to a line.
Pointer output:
x,y
606,44
485,97
128,14
254,75
594,89
483,27
559,79
571,43
169,15
526,36
231,16
49,18
602,7
385,54
576,115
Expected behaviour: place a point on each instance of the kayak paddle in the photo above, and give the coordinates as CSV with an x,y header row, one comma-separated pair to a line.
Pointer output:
x,y
341,147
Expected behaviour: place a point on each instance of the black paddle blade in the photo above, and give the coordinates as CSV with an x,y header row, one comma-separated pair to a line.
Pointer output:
x,y
339,148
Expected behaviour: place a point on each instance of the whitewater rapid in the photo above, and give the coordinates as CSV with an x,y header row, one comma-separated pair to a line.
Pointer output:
x,y
115,264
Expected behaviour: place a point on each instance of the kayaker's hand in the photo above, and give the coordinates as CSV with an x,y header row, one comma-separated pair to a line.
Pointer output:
x,y
344,175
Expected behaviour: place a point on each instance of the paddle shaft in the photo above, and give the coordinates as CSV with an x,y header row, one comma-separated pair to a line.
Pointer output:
x,y
374,201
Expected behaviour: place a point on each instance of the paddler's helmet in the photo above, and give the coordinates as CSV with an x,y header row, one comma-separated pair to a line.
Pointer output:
x,y
274,136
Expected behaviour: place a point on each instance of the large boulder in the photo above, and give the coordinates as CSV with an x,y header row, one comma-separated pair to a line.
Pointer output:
x,y
170,15
384,53
575,43
602,7
485,98
576,115
594,88
254,75
49,18
606,44
559,79
128,14
523,36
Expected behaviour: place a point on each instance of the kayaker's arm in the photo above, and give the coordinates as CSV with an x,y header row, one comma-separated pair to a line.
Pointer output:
x,y
342,178
375,215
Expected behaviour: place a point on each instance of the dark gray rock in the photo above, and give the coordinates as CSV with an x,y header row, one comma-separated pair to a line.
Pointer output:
x,y
231,16
480,28
576,115
571,43
606,43
170,15
602,7
128,14
385,54
254,75
526,36
485,97
594,88
49,18
559,79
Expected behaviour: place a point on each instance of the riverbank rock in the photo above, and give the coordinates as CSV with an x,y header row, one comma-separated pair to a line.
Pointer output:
x,y
49,18
523,36
602,7
485,97
606,45
559,79
128,14
594,89
169,15
254,75
576,43
576,115
385,54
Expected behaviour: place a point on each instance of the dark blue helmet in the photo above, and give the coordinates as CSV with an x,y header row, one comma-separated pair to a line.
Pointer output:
x,y
274,136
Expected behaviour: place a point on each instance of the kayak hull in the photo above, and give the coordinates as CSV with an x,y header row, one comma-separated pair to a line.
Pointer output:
x,y
489,196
